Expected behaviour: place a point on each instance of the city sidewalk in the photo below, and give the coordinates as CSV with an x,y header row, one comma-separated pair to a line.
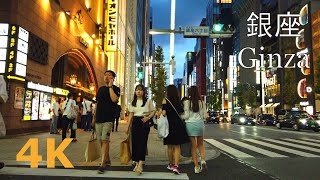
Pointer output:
x,y
157,152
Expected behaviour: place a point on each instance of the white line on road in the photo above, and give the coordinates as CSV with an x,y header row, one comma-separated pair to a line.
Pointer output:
x,y
313,140
294,145
228,149
287,131
302,142
89,173
292,151
255,149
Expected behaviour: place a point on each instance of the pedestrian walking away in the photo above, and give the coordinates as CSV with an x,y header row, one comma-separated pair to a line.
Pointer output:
x,y
86,114
116,118
67,106
107,99
141,111
172,108
194,116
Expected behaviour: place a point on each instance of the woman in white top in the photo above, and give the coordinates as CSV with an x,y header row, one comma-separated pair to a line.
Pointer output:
x,y
194,115
66,107
141,113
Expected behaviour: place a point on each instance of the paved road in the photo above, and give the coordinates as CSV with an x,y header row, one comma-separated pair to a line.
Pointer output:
x,y
281,153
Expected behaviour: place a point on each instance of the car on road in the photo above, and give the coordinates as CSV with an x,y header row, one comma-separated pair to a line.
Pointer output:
x,y
299,120
213,117
242,119
266,119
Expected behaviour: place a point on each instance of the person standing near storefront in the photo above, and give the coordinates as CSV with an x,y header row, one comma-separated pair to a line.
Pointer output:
x,y
66,122
55,110
86,114
107,99
3,99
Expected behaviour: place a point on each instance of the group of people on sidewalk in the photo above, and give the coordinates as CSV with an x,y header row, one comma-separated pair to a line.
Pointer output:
x,y
186,123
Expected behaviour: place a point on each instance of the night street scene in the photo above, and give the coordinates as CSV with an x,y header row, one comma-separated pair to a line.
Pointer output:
x,y
160,89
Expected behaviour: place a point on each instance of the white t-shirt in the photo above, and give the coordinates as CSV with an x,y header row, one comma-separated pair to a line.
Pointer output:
x,y
55,108
3,89
142,111
71,103
191,116
86,107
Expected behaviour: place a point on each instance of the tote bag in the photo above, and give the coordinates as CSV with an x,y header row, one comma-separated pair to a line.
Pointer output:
x,y
92,150
125,154
162,127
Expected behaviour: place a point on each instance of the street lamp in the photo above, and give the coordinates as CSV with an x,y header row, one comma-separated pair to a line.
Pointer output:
x,y
91,87
73,79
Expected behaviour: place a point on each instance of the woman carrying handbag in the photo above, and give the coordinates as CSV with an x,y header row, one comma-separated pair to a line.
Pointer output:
x,y
141,112
67,107
172,108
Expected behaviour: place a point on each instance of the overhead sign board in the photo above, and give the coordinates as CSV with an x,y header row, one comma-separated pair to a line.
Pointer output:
x,y
196,31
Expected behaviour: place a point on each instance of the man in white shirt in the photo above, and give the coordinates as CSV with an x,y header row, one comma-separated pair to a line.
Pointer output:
x,y
86,114
3,99
55,110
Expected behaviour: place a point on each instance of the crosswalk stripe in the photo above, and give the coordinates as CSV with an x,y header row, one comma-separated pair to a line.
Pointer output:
x,y
313,140
228,149
292,151
302,142
89,173
294,145
255,149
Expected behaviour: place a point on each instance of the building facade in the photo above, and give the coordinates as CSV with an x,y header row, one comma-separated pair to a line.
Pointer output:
x,y
56,47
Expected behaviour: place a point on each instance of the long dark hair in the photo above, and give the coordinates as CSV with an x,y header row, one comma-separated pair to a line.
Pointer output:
x,y
144,98
194,98
174,98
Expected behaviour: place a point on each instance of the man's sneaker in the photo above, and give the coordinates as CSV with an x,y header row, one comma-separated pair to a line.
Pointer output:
x,y
203,166
197,170
100,170
175,169
170,167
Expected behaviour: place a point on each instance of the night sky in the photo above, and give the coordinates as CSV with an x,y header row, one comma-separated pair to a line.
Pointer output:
x,y
188,13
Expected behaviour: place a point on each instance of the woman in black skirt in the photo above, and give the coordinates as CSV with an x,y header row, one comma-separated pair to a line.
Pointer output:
x,y
172,108
141,112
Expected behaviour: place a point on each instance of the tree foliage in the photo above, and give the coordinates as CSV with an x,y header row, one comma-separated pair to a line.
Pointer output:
x,y
214,100
290,93
158,78
247,95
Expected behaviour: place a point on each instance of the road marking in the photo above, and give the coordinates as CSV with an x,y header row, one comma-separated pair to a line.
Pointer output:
x,y
294,145
302,142
292,151
89,173
313,140
255,149
228,149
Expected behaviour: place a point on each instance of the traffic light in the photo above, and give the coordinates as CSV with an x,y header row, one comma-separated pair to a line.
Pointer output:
x,y
223,28
140,73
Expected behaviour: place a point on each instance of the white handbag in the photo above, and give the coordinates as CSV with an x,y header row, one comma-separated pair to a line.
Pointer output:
x,y
163,126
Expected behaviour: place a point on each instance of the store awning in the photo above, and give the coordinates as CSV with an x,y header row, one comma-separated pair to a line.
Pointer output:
x,y
269,105
275,104
262,105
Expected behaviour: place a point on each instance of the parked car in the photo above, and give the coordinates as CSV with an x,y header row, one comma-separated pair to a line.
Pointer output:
x,y
266,119
213,117
299,120
242,119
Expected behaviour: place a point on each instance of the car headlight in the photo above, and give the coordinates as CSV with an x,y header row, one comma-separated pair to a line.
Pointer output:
x,y
303,121
318,122
254,120
242,120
